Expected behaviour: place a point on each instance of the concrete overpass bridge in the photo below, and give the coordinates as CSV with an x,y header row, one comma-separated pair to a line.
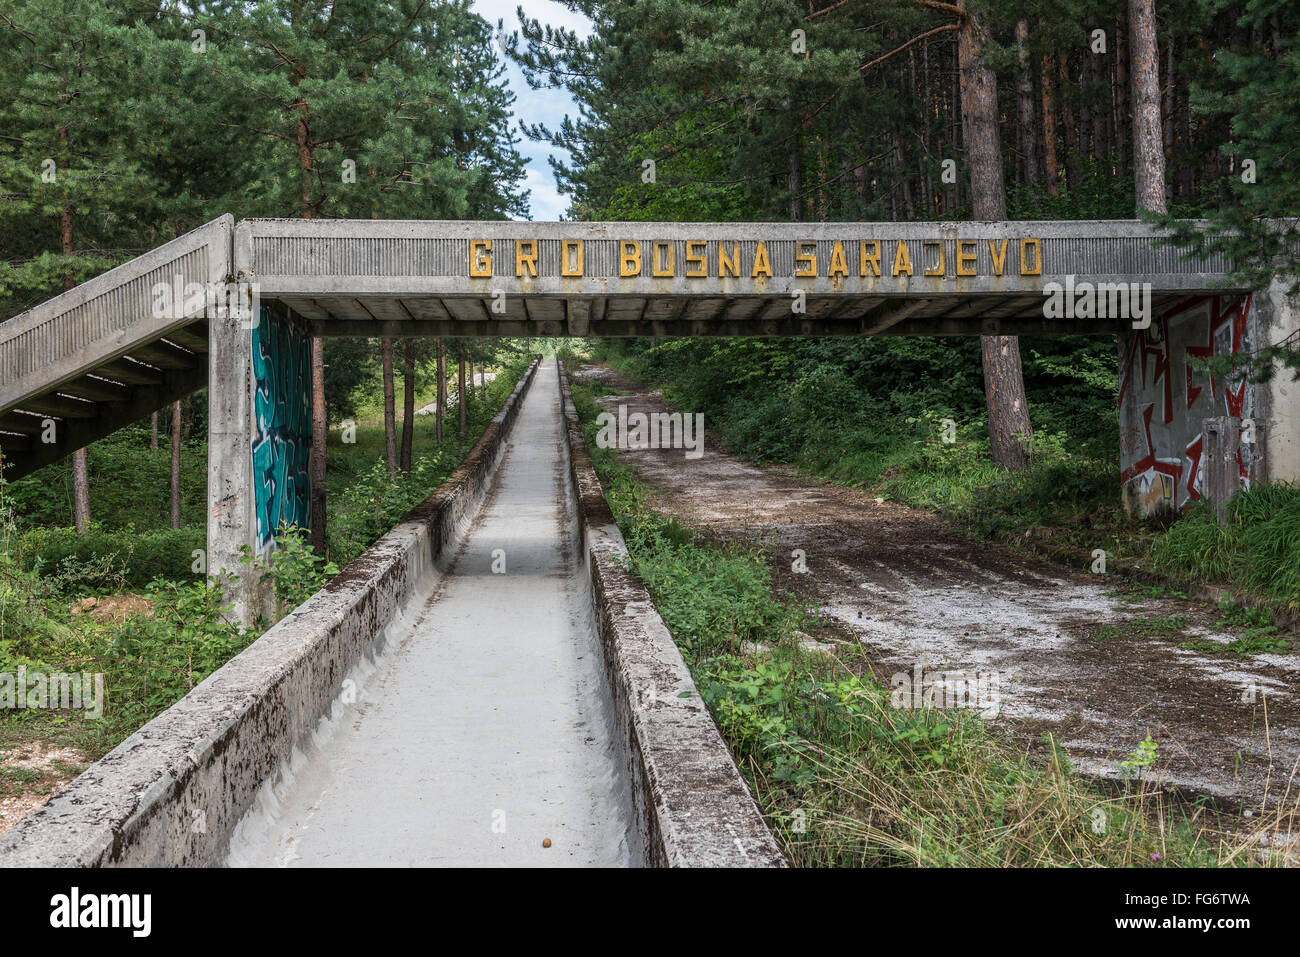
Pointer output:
x,y
232,306
278,739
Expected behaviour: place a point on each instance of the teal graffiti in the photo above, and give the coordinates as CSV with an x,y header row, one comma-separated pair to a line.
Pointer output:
x,y
282,444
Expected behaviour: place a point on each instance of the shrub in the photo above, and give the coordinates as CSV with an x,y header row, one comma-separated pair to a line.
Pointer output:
x,y
106,556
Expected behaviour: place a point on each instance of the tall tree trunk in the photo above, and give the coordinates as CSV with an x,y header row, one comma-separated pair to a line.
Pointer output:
x,y
979,111
1170,90
1025,115
1004,386
902,167
958,137
81,491
1052,166
461,394
1148,147
1122,134
442,388
176,464
931,210
319,419
390,415
1096,115
408,402
794,179
80,462
1183,130
1069,126
319,427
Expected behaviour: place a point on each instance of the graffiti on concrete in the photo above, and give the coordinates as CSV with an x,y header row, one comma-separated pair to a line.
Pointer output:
x,y
282,443
1163,400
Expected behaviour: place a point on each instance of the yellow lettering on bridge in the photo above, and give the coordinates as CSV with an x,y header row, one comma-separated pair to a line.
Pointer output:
x,y
735,259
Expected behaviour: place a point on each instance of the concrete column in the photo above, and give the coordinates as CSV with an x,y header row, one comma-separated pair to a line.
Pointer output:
x,y
259,435
1166,399
1278,418
231,523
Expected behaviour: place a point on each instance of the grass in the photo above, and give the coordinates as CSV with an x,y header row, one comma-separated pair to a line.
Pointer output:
x,y
1257,634
1138,592
1256,550
845,778
1154,626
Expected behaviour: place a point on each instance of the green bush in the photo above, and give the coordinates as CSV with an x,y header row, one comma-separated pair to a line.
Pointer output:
x,y
1257,549
130,484
126,556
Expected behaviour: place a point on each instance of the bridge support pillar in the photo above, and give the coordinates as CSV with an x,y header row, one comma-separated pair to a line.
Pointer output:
x,y
1279,417
259,445
1165,401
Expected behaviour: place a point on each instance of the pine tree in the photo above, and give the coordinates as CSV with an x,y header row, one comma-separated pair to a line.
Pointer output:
x,y
70,168
1257,91
365,110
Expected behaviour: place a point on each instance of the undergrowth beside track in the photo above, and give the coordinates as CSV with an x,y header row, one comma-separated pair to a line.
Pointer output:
x,y
845,778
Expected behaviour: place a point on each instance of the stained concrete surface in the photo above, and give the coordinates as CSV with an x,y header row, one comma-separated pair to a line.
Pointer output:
x,y
482,729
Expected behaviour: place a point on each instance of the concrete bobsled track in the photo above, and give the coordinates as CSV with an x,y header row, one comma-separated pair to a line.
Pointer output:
x,y
485,677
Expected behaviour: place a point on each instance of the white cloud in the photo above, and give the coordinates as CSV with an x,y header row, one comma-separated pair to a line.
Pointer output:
x,y
545,203
546,11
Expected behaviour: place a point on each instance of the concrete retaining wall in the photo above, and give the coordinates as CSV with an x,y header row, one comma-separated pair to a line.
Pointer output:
x,y
691,805
171,794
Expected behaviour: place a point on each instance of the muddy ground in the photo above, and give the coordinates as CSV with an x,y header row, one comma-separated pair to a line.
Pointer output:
x,y
1063,651
30,771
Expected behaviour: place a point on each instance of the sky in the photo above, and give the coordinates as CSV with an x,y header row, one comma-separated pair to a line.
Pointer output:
x,y
532,106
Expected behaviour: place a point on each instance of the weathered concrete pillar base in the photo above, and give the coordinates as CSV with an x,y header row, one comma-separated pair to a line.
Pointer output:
x,y
1277,424
230,471
1220,469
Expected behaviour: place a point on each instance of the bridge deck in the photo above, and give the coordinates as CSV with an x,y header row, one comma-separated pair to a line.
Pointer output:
x,y
105,354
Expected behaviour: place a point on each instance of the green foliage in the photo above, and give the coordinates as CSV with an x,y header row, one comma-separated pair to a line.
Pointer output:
x,y
1253,550
1256,89
104,558
150,660
1252,215
1143,756
61,163
150,132
871,413
1098,194
130,483
1257,635
294,570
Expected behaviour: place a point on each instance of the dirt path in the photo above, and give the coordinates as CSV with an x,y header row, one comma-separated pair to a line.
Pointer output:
x,y
1068,654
